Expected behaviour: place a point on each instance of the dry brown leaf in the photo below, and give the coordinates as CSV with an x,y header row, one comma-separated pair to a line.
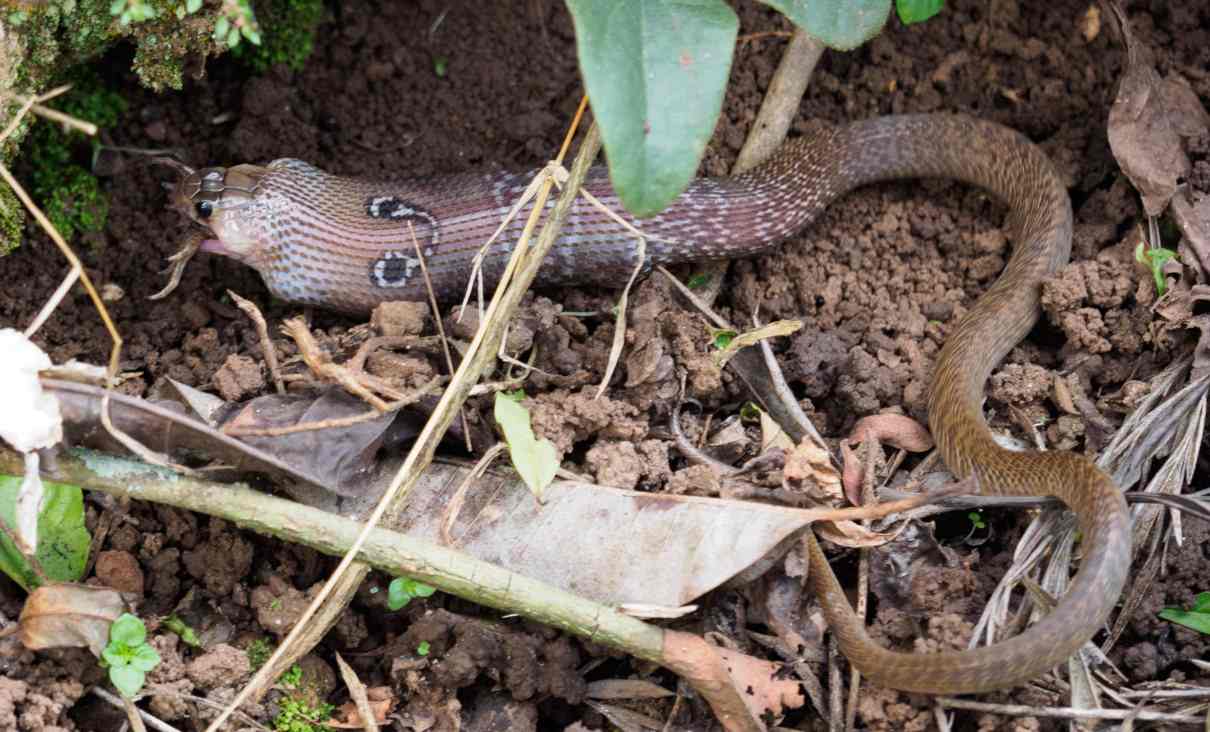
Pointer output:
x,y
625,689
809,465
1147,122
69,616
1193,219
752,337
852,534
381,700
772,435
742,691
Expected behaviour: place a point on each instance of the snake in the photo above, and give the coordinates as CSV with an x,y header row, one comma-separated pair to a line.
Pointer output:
x,y
347,244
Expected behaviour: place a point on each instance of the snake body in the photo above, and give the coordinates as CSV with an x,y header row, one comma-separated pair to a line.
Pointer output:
x,y
349,244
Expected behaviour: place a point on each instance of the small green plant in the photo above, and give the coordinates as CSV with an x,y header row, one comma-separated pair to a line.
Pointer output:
x,y
1196,618
423,648
403,590
976,519
292,678
188,636
128,656
132,11
288,37
235,22
299,715
441,64
722,338
1155,259
698,281
258,652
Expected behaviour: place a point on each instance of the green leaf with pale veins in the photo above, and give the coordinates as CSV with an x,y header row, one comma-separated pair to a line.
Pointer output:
x,y
536,460
655,71
63,540
839,24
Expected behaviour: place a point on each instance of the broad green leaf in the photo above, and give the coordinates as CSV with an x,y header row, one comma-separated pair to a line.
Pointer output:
x,y
145,658
839,24
655,71
128,630
536,460
62,539
126,679
917,11
1198,618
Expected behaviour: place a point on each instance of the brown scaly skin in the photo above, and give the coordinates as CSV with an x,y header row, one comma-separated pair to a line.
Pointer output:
x,y
347,244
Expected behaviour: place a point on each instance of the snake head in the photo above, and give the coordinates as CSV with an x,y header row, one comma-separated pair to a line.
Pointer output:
x,y
221,200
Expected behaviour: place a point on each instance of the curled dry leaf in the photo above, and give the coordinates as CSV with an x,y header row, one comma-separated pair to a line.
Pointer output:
x,y
381,701
853,535
809,466
625,689
1148,122
69,615
895,430
742,691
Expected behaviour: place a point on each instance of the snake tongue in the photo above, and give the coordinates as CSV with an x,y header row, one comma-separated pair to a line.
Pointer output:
x,y
215,246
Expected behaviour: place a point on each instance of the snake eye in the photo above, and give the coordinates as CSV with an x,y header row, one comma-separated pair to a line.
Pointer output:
x,y
204,209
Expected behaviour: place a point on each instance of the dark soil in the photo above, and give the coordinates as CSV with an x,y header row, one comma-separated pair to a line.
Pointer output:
x,y
879,279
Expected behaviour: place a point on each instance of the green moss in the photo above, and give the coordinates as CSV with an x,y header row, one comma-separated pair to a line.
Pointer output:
x,y
59,179
287,34
12,219
297,715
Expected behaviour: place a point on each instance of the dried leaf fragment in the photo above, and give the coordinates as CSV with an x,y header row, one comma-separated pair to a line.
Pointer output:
x,y
69,615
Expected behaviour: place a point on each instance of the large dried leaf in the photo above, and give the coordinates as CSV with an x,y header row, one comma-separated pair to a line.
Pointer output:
x,y
610,545
340,457
68,616
742,691
1148,122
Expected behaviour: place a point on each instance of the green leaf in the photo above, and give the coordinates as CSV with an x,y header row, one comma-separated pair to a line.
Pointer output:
x,y
723,338
416,588
655,71
221,26
251,34
128,630
422,648
116,7
145,658
126,679
1197,618
917,11
698,281
398,596
63,541
839,24
192,6
115,654
440,65
536,460
233,38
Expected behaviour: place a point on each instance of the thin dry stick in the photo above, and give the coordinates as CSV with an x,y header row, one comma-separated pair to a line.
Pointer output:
x,y
426,444
863,574
445,342
1022,710
120,703
262,333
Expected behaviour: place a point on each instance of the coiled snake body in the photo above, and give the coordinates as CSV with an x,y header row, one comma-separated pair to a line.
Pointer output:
x,y
347,244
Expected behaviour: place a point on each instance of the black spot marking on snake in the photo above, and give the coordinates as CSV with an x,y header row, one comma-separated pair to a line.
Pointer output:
x,y
393,268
